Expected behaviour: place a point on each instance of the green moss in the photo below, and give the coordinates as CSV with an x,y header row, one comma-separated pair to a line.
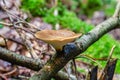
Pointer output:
x,y
68,20
89,6
36,7
101,49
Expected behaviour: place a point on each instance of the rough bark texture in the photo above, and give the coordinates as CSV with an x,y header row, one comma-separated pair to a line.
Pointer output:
x,y
71,50
17,59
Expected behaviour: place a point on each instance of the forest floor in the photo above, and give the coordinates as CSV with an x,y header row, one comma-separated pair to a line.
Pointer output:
x,y
9,71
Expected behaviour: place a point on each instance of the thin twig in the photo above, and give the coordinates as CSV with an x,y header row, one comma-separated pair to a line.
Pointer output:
x,y
6,24
108,60
75,67
110,54
5,42
25,29
90,58
14,40
117,10
100,59
11,72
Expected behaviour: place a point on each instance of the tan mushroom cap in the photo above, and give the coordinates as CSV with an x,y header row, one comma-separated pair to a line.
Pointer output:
x,y
57,38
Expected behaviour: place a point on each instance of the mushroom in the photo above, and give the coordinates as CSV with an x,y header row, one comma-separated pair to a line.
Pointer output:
x,y
57,38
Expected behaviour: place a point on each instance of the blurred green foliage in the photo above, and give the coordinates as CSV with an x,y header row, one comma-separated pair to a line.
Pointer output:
x,y
109,7
89,6
1,26
36,7
69,19
81,70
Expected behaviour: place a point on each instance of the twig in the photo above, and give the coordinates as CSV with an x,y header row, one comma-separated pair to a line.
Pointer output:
x,y
2,69
5,9
110,54
14,40
14,58
100,59
23,77
117,10
90,58
6,43
29,25
2,77
18,18
25,29
6,24
11,72
107,64
75,67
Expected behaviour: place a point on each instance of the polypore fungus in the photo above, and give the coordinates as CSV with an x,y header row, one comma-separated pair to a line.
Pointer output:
x,y
57,38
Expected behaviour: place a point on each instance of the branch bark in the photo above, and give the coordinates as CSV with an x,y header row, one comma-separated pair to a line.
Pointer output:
x,y
30,63
20,60
71,50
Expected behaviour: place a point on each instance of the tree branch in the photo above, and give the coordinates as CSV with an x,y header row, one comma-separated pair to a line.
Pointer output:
x,y
71,50
30,63
20,60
